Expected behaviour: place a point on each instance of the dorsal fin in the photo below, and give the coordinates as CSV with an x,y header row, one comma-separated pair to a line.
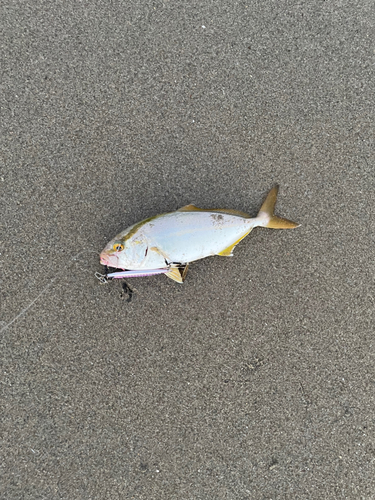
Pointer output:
x,y
229,211
190,208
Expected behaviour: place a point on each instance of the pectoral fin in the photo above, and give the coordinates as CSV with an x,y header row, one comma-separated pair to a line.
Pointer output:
x,y
178,273
228,252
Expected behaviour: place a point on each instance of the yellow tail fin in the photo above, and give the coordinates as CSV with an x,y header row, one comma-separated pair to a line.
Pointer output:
x,y
266,212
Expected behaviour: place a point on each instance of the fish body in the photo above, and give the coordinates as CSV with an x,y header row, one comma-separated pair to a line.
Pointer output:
x,y
173,240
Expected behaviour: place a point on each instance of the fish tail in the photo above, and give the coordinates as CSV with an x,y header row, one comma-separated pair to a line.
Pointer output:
x,y
266,213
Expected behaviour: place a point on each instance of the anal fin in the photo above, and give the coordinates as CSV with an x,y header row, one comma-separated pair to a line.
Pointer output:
x,y
228,252
178,273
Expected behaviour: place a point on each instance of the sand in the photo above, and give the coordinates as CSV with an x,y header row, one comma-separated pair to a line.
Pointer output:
x,y
255,378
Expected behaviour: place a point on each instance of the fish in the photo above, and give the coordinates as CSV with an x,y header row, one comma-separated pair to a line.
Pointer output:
x,y
167,243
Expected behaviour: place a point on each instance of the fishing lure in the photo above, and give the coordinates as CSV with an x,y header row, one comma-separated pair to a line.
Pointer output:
x,y
167,243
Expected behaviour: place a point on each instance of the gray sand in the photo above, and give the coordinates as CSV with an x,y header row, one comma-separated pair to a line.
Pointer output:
x,y
254,379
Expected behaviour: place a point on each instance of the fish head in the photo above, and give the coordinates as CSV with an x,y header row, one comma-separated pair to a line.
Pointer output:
x,y
112,255
122,254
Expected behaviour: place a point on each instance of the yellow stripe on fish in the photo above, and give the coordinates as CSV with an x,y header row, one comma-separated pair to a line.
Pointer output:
x,y
173,240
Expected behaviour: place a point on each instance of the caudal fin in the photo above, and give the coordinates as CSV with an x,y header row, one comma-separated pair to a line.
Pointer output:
x,y
266,213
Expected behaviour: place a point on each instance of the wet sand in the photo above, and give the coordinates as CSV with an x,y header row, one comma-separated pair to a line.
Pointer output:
x,y
255,378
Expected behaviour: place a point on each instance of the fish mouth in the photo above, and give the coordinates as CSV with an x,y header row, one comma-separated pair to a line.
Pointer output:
x,y
110,260
104,259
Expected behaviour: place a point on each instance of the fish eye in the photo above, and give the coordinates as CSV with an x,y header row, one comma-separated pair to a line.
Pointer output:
x,y
117,247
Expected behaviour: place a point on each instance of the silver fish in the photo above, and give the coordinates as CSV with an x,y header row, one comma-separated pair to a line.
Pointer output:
x,y
167,243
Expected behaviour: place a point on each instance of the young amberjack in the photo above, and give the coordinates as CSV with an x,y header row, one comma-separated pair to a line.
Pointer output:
x,y
169,242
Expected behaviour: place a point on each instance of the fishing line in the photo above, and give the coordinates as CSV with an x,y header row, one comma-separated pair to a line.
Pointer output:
x,y
24,311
